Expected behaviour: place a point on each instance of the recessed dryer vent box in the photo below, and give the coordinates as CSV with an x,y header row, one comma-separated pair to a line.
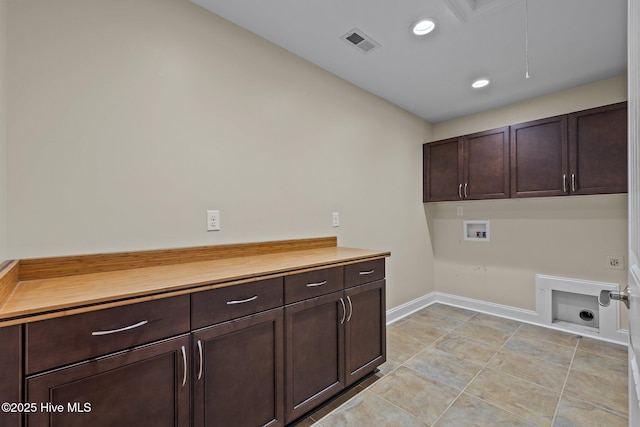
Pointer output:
x,y
479,231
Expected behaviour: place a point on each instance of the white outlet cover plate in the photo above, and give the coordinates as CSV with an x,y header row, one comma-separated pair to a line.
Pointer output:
x,y
213,220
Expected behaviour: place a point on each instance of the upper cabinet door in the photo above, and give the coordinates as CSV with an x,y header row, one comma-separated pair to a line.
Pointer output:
x,y
486,165
442,170
539,158
598,150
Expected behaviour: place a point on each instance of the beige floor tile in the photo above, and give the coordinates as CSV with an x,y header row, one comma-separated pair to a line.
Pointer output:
x,y
444,367
486,334
401,347
335,403
388,366
369,409
529,368
522,398
419,331
573,412
545,334
455,313
495,322
545,350
604,348
475,351
469,411
607,368
437,321
417,394
609,394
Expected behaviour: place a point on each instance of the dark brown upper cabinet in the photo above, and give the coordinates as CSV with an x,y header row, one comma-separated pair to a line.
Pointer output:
x,y
580,153
598,150
539,158
472,167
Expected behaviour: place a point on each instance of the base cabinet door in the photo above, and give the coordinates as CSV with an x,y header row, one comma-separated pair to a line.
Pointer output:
x,y
239,372
144,386
10,373
314,352
365,330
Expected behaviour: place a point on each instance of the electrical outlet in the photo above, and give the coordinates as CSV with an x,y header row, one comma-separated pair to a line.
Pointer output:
x,y
460,211
336,219
614,262
213,220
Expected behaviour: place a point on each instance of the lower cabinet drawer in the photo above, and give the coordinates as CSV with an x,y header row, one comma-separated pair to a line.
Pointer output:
x,y
302,286
363,272
222,304
56,342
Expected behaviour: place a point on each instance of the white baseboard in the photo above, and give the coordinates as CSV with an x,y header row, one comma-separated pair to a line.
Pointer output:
x,y
404,310
513,313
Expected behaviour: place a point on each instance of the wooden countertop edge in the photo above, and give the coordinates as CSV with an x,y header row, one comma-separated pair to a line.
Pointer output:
x,y
8,279
44,268
86,305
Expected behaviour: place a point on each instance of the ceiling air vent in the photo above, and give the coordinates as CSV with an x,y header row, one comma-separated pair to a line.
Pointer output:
x,y
360,41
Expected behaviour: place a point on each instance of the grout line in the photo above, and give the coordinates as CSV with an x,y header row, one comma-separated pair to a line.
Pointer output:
x,y
475,376
566,379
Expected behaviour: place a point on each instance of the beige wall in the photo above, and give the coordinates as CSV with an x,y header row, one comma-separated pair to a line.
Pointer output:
x,y
3,128
561,236
130,119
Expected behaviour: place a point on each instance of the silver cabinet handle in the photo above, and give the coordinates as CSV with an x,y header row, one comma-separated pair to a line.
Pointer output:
x,y
200,357
184,360
573,182
313,285
115,331
460,191
364,273
350,308
344,311
466,184
564,183
242,301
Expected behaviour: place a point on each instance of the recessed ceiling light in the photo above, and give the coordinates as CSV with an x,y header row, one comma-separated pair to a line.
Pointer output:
x,y
423,26
480,83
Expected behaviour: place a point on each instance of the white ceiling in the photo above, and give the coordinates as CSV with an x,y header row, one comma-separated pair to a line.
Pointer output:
x,y
571,42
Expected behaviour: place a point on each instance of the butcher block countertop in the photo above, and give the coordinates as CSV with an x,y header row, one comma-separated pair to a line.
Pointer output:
x,y
37,289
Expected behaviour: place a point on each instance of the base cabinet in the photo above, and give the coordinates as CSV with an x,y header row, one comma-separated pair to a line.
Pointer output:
x,y
315,352
145,386
10,373
335,339
239,372
365,330
256,354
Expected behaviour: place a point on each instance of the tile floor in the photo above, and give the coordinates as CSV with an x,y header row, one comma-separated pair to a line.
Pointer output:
x,y
447,366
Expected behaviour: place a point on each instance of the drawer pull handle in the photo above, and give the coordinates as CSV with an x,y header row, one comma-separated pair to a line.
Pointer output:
x,y
115,331
313,285
350,308
200,355
564,183
364,273
242,301
344,311
573,182
184,361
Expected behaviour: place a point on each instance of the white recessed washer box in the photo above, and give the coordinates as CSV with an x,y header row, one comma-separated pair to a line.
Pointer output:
x,y
477,230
